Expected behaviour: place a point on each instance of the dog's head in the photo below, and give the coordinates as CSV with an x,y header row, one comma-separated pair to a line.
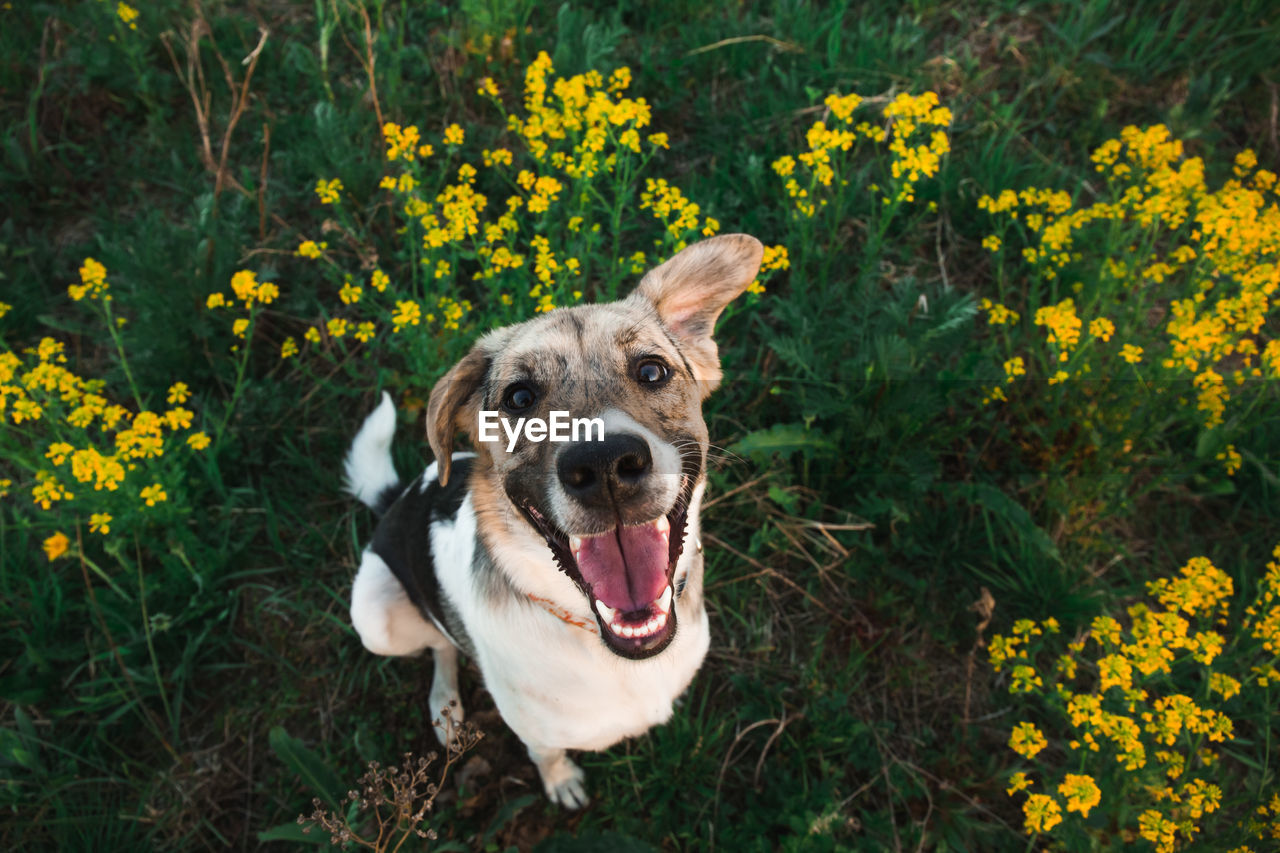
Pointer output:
x,y
628,379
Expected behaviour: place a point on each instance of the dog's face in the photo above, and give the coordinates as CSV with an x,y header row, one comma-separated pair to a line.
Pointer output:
x,y
611,503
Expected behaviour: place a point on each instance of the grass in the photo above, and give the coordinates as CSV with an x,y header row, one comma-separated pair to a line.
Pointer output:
x,y
864,501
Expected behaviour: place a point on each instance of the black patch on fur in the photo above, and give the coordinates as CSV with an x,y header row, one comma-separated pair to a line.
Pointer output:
x,y
403,541
386,498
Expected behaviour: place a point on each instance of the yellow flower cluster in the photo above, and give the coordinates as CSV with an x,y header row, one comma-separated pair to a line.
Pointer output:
x,y
251,293
1155,737
329,192
1203,258
999,315
774,258
311,249
127,14
911,117
71,434
1262,618
914,127
571,123
1264,823
93,282
679,214
568,132
404,143
1027,740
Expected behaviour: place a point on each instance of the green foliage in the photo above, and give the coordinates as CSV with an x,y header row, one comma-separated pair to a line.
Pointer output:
x,y
315,773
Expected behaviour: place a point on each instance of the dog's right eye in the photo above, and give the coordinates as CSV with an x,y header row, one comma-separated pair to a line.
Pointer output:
x,y
518,397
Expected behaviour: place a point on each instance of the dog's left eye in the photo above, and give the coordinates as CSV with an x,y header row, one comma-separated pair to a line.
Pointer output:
x,y
651,372
518,398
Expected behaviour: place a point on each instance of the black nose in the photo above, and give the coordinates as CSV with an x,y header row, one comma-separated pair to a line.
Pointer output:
x,y
598,472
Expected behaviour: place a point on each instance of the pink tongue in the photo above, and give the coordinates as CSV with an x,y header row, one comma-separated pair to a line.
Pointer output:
x,y
629,578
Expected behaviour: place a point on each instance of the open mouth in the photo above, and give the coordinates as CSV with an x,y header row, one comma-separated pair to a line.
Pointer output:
x,y
626,573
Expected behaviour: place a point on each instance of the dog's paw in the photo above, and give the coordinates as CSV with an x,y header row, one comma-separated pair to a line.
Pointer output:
x,y
564,783
448,717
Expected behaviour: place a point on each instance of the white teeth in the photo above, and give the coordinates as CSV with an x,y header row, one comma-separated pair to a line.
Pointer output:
x,y
664,600
653,626
575,545
663,524
607,613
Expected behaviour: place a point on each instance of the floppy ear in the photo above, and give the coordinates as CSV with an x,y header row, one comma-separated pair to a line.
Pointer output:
x,y
453,406
691,289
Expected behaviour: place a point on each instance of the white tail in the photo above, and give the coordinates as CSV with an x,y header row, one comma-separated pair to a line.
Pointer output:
x,y
370,471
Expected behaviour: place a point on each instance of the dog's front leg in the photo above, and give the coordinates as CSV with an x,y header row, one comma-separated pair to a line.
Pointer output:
x,y
560,776
446,706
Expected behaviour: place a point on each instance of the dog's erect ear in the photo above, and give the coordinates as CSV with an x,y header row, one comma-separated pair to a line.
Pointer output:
x,y
691,289
453,406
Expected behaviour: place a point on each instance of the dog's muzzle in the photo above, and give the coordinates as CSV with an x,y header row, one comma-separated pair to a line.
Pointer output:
x,y
625,567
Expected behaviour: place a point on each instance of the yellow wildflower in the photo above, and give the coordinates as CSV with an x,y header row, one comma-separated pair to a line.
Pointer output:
x,y
997,314
178,393
1157,829
244,284
311,249
1042,813
407,313
329,191
56,545
1231,460
1027,740
1081,793
350,293
127,14
153,494
1101,327
1018,782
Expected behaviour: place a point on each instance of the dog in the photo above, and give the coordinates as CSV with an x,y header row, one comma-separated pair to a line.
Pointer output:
x,y
569,571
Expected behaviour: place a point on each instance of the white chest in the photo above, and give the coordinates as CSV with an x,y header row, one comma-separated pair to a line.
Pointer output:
x,y
554,683
558,685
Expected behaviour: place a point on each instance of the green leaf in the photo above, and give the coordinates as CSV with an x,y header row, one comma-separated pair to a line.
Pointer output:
x,y
294,832
786,500
314,772
1000,505
785,439
507,813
